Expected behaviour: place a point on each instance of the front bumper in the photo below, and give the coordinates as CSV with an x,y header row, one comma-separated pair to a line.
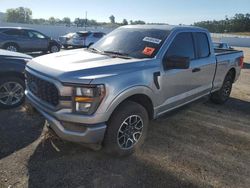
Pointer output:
x,y
74,131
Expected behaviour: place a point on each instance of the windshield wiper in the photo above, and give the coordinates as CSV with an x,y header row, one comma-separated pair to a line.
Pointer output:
x,y
118,54
94,50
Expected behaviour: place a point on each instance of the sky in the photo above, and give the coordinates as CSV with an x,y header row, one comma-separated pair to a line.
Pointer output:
x,y
158,11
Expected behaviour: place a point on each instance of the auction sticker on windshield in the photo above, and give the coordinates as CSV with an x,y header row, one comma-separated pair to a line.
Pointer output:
x,y
152,40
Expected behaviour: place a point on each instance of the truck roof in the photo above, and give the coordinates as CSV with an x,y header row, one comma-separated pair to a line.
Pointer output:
x,y
166,27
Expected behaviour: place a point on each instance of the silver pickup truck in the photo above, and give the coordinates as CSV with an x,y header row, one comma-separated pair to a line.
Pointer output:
x,y
106,94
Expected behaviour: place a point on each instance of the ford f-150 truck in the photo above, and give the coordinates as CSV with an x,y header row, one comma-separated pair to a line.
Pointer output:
x,y
106,94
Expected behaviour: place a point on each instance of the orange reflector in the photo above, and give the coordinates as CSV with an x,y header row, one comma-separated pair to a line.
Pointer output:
x,y
83,99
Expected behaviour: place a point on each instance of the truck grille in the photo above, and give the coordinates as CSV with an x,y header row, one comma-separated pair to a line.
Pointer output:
x,y
42,89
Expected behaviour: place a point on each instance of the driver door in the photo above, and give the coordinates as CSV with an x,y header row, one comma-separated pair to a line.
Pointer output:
x,y
178,84
37,40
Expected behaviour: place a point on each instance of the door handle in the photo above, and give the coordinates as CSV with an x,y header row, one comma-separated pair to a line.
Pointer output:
x,y
196,70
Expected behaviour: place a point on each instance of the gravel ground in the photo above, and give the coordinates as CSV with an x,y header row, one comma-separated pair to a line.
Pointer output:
x,y
199,145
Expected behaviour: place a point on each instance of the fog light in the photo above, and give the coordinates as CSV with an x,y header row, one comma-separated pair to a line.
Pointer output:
x,y
83,107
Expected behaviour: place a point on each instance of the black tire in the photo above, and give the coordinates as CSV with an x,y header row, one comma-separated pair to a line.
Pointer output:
x,y
222,95
112,144
53,48
11,47
11,80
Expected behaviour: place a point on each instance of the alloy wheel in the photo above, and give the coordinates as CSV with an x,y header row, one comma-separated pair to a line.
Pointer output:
x,y
11,93
11,48
54,49
130,132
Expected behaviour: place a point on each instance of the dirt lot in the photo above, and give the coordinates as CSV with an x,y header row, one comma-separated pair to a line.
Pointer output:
x,y
200,145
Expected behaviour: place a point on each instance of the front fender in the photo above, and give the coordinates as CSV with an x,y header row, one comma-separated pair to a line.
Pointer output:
x,y
122,96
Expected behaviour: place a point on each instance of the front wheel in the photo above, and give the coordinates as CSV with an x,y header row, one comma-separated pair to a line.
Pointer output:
x,y
54,48
11,92
127,129
222,95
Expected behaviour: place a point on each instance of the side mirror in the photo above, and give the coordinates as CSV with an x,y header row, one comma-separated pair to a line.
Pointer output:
x,y
177,62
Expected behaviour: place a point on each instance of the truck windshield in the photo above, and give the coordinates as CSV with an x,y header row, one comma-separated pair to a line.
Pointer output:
x,y
132,42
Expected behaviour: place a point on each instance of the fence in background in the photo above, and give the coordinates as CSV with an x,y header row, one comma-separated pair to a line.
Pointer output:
x,y
56,31
232,40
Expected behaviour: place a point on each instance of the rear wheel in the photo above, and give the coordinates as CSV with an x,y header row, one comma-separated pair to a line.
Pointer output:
x,y
127,129
11,47
11,92
221,96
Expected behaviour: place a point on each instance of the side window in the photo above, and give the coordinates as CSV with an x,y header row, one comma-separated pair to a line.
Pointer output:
x,y
13,32
182,46
98,35
202,45
34,34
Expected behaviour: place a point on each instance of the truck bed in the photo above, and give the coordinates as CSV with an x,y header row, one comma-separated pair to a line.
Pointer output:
x,y
219,51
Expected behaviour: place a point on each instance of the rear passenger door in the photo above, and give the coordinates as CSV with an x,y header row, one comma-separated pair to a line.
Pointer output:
x,y
18,36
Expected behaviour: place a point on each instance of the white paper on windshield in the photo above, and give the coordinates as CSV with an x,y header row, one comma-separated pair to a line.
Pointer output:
x,y
152,40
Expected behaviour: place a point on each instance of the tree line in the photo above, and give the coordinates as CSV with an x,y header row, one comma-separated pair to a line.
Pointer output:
x,y
24,15
238,23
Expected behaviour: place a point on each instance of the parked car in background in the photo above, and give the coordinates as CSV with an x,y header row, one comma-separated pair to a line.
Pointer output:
x,y
12,85
222,45
80,39
26,40
106,94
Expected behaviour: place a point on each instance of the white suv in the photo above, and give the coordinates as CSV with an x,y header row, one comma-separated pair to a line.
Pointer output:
x,y
80,39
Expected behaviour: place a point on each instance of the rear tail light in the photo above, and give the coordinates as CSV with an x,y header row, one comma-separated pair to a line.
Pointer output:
x,y
241,62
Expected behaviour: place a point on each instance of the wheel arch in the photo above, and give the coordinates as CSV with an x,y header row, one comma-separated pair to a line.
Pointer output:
x,y
233,72
141,95
10,42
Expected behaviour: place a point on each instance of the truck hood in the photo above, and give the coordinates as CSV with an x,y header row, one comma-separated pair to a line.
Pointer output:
x,y
6,53
81,66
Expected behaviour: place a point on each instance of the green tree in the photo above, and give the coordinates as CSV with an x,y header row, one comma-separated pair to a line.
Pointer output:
x,y
19,15
66,21
112,19
137,22
52,20
238,23
124,22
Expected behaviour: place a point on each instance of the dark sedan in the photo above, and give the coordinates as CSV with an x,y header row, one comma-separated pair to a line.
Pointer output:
x,y
26,40
12,84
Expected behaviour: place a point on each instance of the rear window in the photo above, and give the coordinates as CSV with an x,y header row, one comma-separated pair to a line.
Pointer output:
x,y
83,34
182,46
202,45
13,32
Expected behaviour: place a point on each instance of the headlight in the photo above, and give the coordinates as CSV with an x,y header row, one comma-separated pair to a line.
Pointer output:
x,y
87,99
